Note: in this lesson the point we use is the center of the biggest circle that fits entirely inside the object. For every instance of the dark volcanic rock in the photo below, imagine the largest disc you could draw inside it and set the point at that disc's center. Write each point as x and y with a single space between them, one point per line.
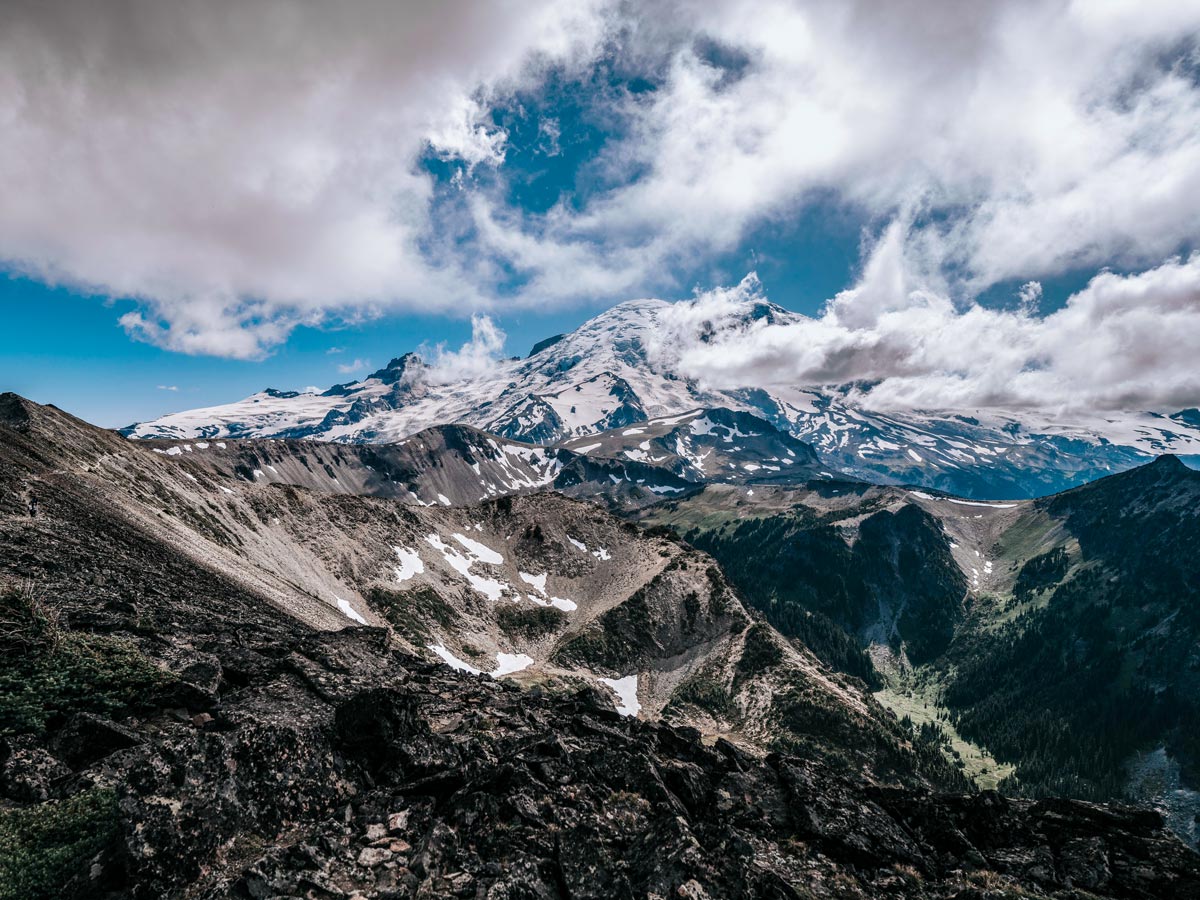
396 778
335 765
28 772
268 759
86 738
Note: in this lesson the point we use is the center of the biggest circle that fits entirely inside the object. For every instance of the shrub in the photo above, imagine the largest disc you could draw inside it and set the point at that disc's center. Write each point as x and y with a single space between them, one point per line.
54 672
412 612
704 693
43 847
759 653
529 622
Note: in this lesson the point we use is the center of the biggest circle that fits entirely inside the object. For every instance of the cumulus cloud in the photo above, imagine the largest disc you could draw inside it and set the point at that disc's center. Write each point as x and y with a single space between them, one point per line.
1123 341
1029 297
472 360
243 168
1024 139
350 368
168 387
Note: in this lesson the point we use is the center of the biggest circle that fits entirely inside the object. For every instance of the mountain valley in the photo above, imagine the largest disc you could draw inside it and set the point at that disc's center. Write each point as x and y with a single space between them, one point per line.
698 594
1035 629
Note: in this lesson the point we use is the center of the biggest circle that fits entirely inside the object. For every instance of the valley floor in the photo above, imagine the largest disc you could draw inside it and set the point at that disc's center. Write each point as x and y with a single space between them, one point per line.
913 699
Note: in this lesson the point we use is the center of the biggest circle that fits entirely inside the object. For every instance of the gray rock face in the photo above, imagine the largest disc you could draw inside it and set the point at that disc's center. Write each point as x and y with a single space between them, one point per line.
29 773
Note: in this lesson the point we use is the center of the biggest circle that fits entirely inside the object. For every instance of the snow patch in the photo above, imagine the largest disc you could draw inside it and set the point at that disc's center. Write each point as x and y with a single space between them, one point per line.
453 661
626 691
410 564
484 553
489 587
507 663
538 581
349 611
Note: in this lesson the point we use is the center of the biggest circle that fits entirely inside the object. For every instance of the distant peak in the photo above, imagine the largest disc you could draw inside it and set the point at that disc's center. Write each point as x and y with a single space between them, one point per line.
1189 416
1169 462
545 344
398 367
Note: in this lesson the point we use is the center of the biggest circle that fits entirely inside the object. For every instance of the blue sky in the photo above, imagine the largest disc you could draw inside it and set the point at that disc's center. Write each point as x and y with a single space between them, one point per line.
66 347
272 182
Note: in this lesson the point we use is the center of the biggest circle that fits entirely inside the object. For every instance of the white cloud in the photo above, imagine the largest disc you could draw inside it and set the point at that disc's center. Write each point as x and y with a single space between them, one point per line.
1123 341
243 168
1029 297
350 368
168 387
1029 138
473 359
464 134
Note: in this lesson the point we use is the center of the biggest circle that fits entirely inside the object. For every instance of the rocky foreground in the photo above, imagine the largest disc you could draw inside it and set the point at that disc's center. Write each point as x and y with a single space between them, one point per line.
327 765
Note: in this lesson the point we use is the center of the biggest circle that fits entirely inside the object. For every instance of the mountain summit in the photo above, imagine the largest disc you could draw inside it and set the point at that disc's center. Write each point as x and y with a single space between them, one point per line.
613 372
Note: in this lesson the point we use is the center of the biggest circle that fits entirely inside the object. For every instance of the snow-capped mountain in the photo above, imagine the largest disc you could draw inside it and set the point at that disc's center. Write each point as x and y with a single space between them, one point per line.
707 445
602 377
596 378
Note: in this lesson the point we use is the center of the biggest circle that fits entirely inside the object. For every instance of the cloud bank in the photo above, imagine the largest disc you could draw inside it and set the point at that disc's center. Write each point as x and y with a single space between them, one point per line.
474 358
1122 342
1028 138
242 169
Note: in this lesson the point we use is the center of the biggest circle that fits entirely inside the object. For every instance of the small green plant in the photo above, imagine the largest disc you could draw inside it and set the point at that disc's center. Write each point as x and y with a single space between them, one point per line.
705 693
54 672
759 653
529 622
412 612
43 847
27 624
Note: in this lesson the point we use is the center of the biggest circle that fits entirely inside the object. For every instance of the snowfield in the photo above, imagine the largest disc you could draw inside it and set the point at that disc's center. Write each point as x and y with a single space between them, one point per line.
626 691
